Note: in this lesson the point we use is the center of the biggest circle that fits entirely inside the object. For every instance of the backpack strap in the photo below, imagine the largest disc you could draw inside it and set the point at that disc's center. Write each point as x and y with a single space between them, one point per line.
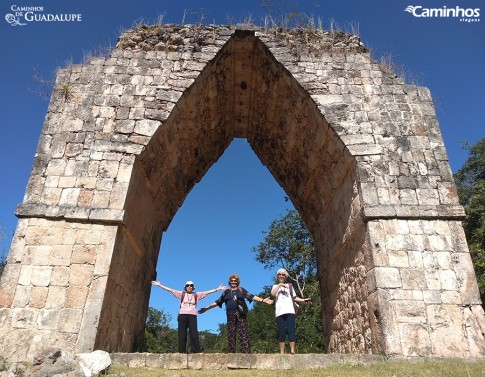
183 295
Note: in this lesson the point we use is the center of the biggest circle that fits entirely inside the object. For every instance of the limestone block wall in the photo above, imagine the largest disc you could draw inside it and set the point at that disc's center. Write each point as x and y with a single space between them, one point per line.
423 288
358 151
51 285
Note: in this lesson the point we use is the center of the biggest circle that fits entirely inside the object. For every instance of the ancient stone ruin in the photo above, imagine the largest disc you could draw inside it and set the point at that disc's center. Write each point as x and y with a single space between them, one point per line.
358 151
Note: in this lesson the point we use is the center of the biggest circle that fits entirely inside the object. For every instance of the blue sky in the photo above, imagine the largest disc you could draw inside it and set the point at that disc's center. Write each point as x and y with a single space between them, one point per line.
223 217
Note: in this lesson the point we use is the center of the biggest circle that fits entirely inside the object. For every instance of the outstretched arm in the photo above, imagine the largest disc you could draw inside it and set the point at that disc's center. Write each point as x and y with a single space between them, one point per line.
203 310
303 300
219 288
158 284
266 300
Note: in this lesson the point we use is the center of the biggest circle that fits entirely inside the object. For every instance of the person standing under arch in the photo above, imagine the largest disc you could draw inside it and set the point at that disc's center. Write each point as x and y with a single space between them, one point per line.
187 315
285 298
237 323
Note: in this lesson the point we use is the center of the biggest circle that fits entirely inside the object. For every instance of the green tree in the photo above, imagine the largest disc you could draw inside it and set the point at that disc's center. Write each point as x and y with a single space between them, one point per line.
262 326
470 181
159 337
289 244
215 343
209 342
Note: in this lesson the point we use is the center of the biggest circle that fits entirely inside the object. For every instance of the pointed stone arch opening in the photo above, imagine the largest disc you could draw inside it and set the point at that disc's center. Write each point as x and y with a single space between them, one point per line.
357 150
234 97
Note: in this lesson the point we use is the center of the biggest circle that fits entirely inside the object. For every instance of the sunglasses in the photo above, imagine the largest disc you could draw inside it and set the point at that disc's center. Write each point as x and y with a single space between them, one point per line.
232 281
189 285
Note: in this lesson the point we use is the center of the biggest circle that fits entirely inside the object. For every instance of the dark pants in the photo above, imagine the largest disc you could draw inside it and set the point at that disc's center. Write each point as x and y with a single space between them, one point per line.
237 324
286 324
188 322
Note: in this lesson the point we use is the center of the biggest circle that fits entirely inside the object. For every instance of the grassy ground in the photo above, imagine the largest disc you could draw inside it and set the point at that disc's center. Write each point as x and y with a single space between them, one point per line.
445 368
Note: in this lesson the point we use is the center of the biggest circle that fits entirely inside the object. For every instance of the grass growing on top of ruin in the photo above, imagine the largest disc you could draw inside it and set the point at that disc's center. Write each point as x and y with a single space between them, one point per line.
431 368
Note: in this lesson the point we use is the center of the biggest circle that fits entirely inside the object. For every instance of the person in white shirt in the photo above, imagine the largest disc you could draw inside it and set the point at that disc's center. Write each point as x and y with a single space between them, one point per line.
285 298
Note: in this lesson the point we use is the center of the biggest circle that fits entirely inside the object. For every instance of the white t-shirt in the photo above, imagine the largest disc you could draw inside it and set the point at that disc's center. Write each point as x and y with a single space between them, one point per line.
284 302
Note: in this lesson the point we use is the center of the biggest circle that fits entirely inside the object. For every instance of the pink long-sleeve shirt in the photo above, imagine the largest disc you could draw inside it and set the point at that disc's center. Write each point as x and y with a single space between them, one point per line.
189 305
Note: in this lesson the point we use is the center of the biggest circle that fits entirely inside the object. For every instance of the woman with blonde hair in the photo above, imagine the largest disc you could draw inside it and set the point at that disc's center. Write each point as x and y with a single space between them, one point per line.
237 323
285 298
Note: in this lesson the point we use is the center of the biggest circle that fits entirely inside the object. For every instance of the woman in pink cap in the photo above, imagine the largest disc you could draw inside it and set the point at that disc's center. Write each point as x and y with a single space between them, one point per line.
187 316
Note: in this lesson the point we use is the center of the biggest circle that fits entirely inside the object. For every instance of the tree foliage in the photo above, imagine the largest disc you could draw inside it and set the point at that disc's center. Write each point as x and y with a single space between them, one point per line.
470 181
159 337
289 244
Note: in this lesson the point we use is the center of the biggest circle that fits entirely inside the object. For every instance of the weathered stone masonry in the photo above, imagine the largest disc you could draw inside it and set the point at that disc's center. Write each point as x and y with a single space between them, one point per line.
357 150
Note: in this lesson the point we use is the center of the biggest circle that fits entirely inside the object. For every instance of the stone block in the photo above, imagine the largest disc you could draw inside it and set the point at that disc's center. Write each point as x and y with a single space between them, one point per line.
112 215
60 255
69 196
25 275
445 322
66 182
48 319
70 320
451 297
80 274
398 258
56 167
41 276
433 280
24 318
101 199
176 361
411 311
56 297
118 195
415 259
60 276
51 195
92 312
413 278
387 277
432 297
76 297
22 296
155 360
133 360
241 361
448 280
83 254
38 297
416 340
216 361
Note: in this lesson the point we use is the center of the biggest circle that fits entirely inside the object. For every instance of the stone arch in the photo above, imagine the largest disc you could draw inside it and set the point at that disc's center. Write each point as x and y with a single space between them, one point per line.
358 152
